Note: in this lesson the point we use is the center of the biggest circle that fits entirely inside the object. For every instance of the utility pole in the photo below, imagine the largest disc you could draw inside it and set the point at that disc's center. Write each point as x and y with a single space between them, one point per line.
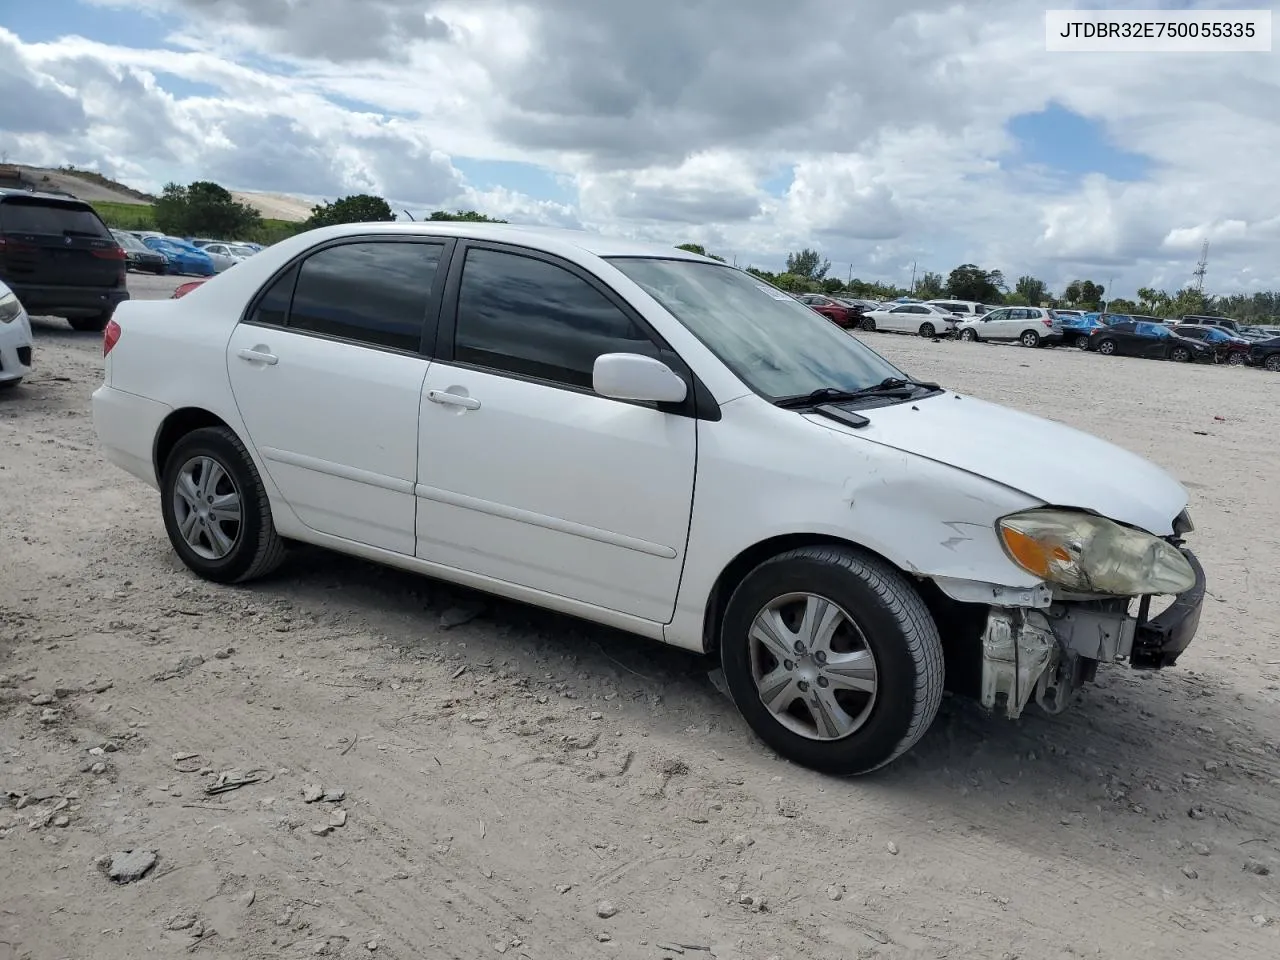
913 278
1202 267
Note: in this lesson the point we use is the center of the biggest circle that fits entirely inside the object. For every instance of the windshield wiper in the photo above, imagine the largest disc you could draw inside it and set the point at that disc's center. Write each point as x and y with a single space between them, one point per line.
821 395
895 385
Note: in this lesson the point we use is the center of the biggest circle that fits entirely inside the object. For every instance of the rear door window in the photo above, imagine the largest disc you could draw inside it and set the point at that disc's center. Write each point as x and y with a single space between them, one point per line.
372 292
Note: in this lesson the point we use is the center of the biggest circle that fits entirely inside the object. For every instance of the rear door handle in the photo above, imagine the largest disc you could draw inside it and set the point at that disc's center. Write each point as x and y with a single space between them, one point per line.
453 400
259 356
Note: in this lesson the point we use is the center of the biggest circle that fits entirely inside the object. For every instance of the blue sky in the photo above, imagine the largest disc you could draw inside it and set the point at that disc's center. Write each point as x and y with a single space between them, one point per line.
978 146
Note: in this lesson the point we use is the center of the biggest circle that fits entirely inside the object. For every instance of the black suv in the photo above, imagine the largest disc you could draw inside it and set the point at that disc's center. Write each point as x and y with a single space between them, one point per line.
60 259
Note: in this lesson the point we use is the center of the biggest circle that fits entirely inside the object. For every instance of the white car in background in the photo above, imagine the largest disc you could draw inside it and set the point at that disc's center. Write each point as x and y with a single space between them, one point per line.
926 319
731 473
964 309
15 339
224 255
1030 326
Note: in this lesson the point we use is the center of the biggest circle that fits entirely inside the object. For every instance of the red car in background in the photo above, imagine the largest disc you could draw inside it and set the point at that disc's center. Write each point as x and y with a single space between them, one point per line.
184 288
839 312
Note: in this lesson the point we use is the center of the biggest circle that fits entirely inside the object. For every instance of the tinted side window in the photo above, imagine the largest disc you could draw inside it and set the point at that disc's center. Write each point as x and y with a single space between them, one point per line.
530 317
370 292
34 216
273 307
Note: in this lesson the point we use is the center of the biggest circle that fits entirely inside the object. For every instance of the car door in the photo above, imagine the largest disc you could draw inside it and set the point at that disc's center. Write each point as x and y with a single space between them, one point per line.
904 318
996 325
1124 335
327 372
525 474
1152 341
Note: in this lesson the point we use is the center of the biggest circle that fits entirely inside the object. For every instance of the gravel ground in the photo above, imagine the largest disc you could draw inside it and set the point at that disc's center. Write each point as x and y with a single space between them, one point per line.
505 781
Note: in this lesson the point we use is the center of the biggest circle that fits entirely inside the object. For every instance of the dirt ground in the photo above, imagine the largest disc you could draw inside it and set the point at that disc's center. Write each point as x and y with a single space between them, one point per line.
503 771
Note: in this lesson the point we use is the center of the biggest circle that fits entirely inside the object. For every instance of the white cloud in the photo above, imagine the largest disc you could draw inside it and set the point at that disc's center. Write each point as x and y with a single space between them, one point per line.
670 118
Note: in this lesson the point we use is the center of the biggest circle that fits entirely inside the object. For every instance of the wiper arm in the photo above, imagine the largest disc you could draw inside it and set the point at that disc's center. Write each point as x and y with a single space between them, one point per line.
821 395
895 385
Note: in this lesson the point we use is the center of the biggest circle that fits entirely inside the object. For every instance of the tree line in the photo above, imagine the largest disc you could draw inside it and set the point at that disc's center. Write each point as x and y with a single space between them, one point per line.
207 209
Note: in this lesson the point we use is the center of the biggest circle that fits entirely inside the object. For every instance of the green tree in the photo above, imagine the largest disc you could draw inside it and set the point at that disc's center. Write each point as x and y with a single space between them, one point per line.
699 249
794 283
930 286
467 216
1072 292
832 286
970 282
357 208
1017 299
203 208
1033 290
1121 305
808 264
1091 294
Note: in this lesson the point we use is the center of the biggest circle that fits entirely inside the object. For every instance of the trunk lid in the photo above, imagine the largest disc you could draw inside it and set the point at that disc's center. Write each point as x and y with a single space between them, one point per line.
47 241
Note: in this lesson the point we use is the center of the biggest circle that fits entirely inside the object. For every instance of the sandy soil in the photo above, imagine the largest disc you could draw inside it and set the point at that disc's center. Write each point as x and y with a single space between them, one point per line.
505 770
276 206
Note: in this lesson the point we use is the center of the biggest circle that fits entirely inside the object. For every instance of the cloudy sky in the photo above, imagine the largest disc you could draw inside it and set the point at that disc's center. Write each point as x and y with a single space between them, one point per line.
883 132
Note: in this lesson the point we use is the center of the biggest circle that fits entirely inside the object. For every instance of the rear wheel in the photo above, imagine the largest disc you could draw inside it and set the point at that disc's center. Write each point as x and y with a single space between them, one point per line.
1030 338
927 329
1107 347
832 658
1272 363
216 510
95 324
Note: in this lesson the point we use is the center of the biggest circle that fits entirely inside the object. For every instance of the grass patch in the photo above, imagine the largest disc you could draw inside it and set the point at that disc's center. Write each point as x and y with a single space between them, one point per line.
141 216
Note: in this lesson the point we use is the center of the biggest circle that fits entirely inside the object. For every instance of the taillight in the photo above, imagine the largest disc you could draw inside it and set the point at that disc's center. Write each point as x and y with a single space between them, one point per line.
1047 322
110 253
110 336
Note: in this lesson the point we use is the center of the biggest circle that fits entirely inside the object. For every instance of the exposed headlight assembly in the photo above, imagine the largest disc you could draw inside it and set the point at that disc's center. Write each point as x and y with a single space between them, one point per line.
10 308
1090 554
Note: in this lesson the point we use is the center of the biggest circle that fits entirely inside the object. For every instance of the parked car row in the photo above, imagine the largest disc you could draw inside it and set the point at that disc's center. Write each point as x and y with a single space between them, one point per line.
1191 339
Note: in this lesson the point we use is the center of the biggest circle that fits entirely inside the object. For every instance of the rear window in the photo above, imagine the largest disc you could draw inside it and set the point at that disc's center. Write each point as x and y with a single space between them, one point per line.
35 216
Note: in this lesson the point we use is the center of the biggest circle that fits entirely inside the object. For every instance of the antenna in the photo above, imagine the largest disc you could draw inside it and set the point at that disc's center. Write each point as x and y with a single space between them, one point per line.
1202 267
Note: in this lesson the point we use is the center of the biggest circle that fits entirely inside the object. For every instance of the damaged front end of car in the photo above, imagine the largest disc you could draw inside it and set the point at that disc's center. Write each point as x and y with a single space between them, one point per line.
1093 607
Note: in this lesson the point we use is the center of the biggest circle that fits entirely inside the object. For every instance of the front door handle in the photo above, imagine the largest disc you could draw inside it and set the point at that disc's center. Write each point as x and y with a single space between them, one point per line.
259 356
453 400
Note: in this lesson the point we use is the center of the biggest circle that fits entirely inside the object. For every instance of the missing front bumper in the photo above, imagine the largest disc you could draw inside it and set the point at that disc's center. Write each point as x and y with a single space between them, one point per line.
1048 653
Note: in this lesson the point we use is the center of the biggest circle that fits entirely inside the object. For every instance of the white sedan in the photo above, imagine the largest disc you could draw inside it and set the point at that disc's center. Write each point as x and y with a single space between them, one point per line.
224 255
655 441
925 319
15 339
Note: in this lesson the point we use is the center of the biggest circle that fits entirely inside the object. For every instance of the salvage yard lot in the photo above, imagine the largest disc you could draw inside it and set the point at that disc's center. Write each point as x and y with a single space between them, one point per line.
505 770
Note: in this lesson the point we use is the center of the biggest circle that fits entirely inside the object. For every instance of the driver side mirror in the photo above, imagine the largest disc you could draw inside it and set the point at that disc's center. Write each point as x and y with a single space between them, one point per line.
632 376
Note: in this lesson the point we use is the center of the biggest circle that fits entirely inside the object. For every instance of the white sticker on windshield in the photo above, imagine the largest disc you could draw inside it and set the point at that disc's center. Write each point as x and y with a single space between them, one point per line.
776 294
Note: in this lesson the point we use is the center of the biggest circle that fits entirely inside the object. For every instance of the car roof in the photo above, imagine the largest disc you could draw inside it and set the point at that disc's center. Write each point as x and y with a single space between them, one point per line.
7 192
593 243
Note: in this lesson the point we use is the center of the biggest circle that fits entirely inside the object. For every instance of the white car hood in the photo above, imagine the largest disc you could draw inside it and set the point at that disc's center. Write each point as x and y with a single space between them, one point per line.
1057 464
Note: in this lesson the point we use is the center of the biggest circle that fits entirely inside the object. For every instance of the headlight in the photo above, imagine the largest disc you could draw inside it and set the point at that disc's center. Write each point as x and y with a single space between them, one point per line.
10 308
1090 554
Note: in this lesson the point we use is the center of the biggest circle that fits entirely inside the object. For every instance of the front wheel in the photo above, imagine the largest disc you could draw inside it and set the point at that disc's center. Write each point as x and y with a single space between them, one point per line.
1082 342
927 329
95 324
216 510
1235 360
868 324
1180 355
1030 338
1272 363
832 658
968 336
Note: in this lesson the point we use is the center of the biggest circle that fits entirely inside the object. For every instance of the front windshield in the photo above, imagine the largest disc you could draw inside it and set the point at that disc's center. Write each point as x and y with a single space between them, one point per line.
777 346
128 241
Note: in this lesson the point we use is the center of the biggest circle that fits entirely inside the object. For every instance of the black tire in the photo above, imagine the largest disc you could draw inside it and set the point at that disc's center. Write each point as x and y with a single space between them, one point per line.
868 324
1180 355
927 329
1082 342
895 626
1235 359
1107 347
968 336
95 324
1272 363
1030 339
256 549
